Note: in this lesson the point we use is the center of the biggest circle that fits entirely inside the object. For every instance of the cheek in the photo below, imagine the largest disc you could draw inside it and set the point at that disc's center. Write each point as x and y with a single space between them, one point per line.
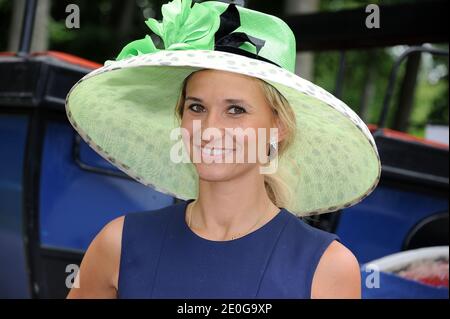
186 131
188 124
251 143
191 123
261 130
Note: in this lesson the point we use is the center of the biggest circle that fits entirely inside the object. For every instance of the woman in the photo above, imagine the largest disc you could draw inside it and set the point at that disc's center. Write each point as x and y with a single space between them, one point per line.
240 237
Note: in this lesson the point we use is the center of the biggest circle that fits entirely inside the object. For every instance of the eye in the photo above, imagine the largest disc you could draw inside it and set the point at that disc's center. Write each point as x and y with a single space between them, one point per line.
197 108
236 109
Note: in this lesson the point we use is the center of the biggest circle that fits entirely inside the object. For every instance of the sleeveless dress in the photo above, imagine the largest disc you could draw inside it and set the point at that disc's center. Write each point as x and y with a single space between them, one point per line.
161 257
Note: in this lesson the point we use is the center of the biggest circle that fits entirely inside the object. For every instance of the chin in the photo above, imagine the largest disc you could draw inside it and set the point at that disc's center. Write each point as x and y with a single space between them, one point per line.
218 172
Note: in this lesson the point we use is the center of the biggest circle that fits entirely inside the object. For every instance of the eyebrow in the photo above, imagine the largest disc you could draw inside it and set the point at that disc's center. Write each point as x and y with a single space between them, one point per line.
196 99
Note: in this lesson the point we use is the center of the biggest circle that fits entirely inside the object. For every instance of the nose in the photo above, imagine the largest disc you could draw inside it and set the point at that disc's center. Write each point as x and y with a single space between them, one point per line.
214 122
213 119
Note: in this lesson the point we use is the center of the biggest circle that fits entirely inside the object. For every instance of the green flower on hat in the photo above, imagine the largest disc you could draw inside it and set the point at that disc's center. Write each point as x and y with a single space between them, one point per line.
182 28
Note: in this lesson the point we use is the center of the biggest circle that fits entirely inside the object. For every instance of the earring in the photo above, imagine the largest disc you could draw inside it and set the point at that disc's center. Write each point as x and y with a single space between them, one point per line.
273 147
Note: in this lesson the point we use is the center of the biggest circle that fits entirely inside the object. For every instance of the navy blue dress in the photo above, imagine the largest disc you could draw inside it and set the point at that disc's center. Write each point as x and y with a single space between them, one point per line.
162 257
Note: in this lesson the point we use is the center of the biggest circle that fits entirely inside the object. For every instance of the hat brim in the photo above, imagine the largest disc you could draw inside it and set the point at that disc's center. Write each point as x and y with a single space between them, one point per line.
125 112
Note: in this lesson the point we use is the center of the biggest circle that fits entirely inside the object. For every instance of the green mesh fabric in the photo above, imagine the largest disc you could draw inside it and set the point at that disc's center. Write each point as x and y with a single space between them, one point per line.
125 111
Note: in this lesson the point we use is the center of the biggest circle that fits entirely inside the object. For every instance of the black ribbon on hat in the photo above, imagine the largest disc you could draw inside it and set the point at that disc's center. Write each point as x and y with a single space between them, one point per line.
227 40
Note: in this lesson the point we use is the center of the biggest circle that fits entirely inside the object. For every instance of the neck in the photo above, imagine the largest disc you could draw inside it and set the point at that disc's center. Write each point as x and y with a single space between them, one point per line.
229 207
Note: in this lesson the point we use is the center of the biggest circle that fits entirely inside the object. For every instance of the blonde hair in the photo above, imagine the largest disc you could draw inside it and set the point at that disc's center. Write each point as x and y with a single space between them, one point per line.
276 188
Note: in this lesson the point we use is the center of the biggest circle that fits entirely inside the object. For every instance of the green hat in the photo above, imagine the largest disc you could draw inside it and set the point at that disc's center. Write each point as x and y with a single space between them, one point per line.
125 109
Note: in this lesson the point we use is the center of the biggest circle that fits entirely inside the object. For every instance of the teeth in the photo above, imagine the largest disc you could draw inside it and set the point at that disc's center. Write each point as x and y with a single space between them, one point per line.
214 151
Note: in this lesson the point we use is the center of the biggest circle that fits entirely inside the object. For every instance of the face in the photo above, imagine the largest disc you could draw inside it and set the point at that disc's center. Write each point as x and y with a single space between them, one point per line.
220 112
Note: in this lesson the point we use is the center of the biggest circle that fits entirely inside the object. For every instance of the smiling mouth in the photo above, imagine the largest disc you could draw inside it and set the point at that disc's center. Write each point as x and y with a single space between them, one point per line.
212 151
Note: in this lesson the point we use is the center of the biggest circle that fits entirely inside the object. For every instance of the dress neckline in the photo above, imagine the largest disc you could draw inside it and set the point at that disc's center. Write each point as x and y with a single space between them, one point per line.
274 220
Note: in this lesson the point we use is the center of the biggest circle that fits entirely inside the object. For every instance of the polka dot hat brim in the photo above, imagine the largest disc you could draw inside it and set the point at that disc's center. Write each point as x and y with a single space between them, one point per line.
125 112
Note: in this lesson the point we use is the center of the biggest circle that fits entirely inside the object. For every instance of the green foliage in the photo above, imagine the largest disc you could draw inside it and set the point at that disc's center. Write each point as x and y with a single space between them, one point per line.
430 99
358 63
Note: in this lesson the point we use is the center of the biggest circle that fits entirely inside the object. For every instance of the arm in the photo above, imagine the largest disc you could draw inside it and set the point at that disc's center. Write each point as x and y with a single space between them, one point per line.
99 270
337 274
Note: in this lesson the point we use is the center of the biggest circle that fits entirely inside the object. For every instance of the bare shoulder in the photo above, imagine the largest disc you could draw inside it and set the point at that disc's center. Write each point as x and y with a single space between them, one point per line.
337 274
99 270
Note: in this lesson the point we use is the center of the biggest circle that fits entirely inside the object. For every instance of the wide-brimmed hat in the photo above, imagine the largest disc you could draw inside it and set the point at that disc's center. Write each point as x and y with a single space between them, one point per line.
125 109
